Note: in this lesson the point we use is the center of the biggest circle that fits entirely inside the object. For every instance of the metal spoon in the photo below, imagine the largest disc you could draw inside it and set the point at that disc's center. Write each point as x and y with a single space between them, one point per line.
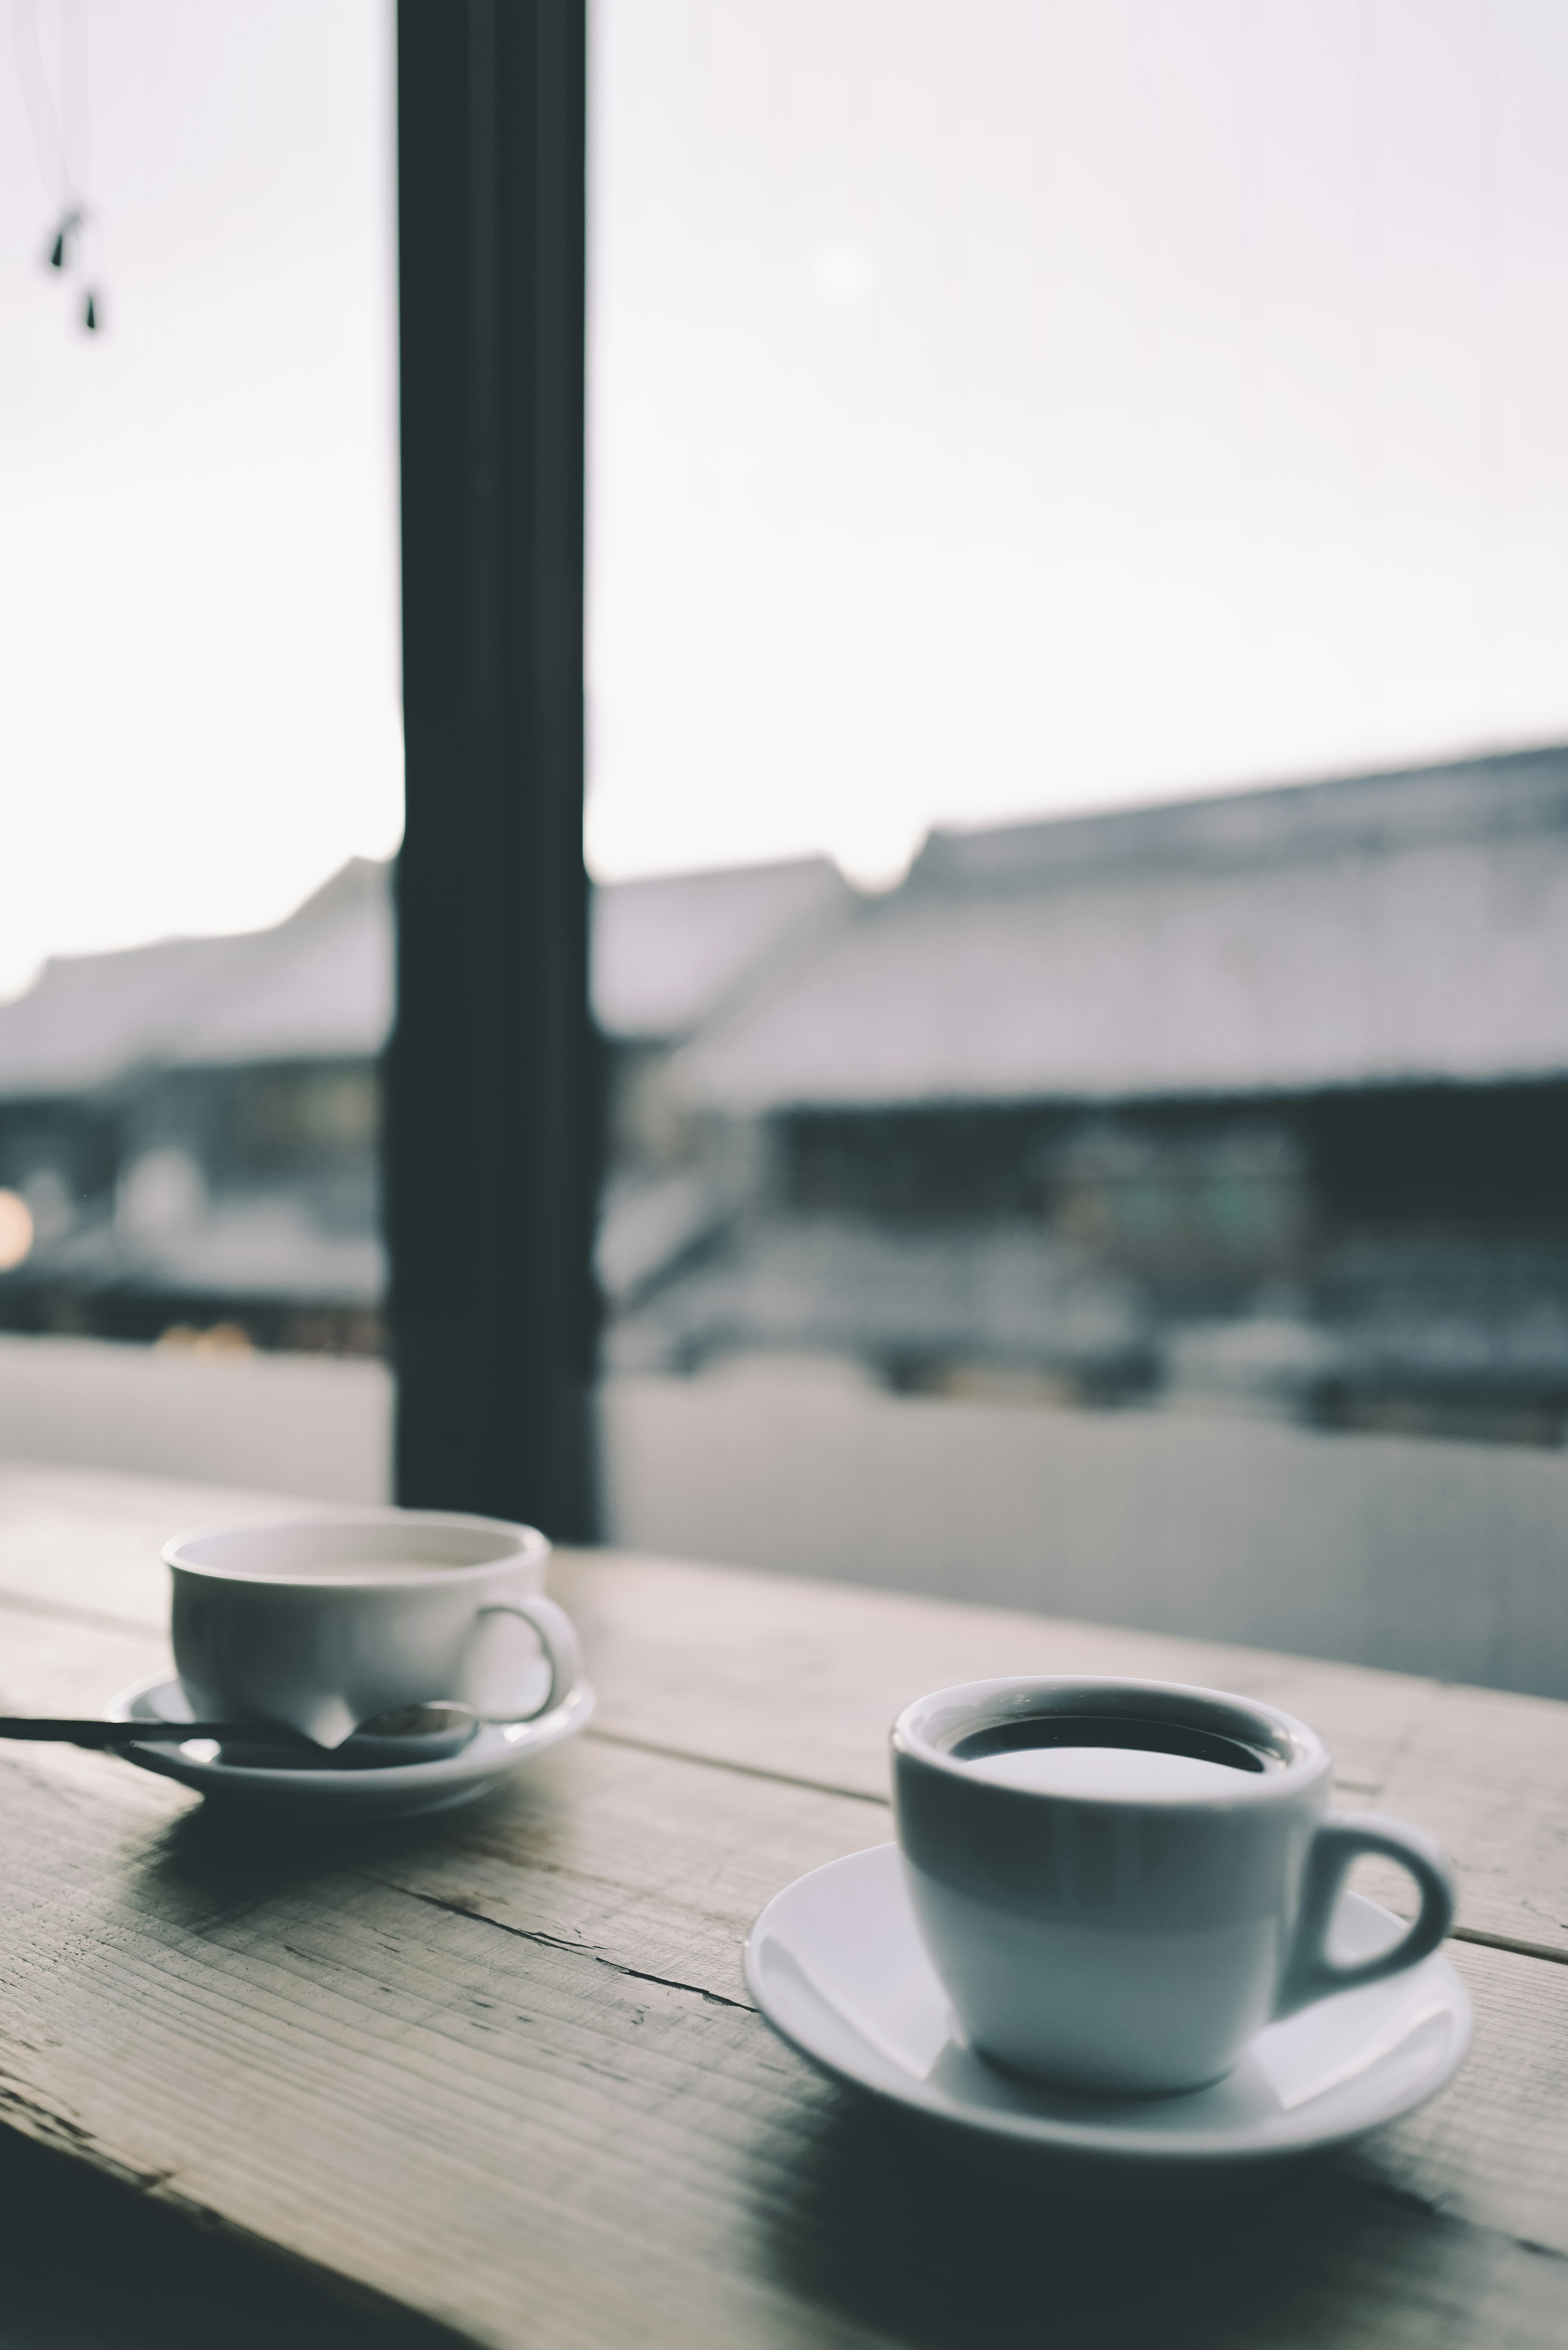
413 1733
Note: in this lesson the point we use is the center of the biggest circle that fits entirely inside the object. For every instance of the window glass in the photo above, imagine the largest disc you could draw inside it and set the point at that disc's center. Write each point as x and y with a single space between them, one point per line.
1077 504
199 729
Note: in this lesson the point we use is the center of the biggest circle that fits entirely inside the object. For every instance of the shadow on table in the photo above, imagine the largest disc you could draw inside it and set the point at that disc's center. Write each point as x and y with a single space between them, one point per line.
223 1860
937 2240
92 2264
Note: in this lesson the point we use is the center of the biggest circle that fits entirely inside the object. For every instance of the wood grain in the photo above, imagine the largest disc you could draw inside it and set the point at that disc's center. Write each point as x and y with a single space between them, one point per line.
503 2070
506 2072
802 1680
90 2266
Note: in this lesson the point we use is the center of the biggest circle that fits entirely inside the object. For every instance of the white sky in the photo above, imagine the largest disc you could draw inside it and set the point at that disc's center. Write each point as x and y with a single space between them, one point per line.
198 600
997 405
1006 405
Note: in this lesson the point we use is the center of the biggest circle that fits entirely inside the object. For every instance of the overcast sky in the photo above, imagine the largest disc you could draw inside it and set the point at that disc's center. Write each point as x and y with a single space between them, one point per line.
198 614
999 405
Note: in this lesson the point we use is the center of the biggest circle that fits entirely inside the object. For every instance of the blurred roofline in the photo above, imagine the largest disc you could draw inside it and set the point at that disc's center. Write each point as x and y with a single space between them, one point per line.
1362 811
670 951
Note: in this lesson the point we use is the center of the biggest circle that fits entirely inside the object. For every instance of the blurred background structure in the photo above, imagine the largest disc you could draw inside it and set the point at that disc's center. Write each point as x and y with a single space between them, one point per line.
189 1133
1054 1152
1257 1104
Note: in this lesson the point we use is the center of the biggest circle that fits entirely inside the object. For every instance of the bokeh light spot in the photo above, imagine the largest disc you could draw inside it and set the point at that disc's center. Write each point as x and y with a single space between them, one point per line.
15 1230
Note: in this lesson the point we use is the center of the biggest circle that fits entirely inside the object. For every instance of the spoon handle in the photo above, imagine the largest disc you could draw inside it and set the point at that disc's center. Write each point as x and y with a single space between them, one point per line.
63 1731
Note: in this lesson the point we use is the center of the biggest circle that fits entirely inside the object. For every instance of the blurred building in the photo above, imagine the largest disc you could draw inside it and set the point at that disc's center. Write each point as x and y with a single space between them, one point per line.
188 1131
1259 1101
673 957
192 1127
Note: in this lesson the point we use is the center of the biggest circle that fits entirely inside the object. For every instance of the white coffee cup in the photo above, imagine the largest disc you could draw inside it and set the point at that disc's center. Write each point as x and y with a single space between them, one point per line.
1123 1916
321 1624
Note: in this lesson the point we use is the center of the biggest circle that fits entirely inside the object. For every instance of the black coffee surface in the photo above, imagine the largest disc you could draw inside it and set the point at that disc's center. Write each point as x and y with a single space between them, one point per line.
1132 1733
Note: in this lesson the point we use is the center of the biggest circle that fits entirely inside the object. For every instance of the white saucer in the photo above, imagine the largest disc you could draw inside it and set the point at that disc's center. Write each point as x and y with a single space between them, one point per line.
400 1791
837 1966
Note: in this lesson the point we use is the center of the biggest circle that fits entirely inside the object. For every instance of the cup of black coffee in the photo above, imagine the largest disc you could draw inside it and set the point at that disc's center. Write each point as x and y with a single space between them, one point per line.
1120 1882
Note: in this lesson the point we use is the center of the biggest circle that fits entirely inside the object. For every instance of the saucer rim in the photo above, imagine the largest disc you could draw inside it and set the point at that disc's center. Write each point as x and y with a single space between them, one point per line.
1112 2141
164 1755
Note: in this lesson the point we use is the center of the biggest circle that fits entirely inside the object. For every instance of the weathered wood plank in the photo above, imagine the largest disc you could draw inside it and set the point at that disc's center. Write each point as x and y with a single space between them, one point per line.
92 2265
802 1680
1493 2149
501 2068
503 2071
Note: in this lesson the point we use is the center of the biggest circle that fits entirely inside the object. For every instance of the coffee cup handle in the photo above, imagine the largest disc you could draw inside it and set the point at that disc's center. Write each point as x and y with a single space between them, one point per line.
1341 1839
558 1639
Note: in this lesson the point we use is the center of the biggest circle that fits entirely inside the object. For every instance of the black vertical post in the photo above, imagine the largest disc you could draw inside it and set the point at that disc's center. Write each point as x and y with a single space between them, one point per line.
492 1091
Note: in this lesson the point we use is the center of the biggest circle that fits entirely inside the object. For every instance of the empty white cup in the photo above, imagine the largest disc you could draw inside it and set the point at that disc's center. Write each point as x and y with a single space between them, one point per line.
321 1624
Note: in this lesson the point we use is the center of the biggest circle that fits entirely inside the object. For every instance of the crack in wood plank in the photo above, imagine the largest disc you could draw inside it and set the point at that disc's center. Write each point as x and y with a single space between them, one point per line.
814 1786
457 1908
473 2127
1520 1948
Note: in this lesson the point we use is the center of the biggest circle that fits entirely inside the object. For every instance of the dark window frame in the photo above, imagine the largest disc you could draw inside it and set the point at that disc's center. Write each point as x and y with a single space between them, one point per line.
491 1146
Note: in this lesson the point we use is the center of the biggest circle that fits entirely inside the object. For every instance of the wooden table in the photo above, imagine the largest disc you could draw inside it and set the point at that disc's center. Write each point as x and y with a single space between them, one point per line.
499 2073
